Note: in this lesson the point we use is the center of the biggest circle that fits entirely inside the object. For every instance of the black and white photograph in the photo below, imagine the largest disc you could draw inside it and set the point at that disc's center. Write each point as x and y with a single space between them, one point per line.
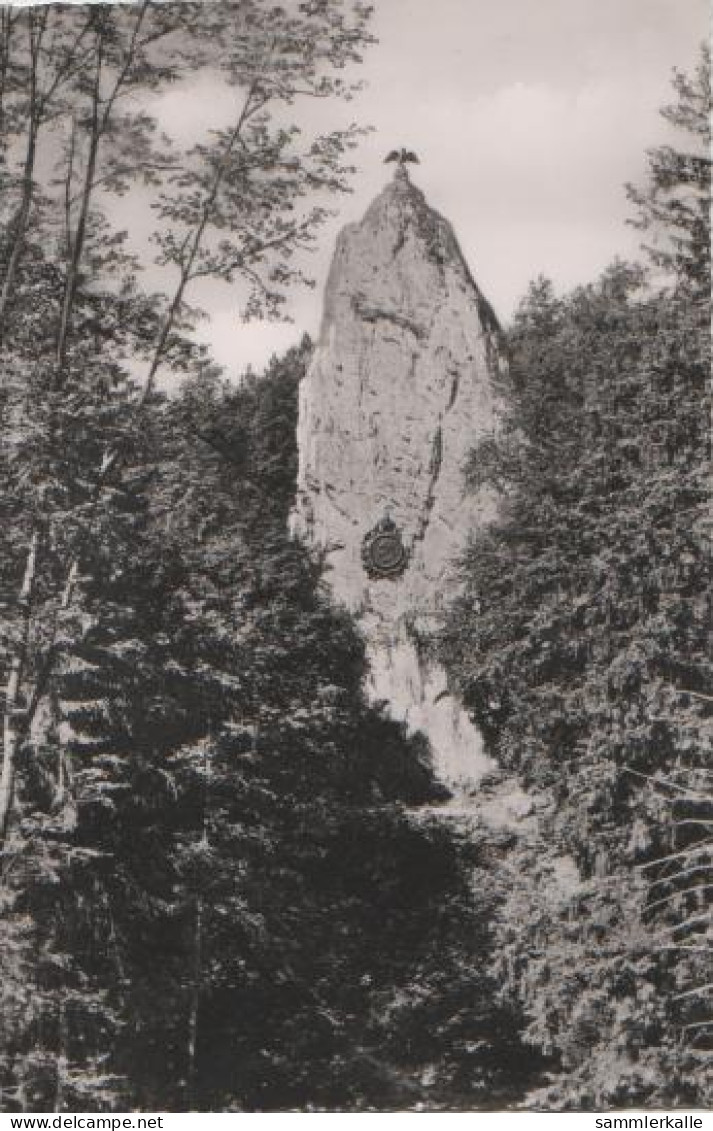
356 650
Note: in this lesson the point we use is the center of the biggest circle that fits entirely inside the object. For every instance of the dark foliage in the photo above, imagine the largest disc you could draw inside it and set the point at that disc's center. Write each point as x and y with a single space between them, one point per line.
237 902
581 645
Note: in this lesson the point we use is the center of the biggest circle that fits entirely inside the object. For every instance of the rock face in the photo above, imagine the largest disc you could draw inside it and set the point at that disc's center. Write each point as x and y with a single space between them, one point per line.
400 388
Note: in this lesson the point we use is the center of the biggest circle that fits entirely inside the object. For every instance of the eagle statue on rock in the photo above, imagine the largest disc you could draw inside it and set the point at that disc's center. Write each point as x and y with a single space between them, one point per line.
403 156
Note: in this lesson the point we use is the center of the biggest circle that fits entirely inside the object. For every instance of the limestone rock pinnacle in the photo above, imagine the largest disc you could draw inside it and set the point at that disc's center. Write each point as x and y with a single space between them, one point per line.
400 387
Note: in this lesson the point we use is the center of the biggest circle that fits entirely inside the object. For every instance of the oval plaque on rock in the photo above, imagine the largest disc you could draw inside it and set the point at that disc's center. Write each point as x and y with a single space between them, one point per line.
383 552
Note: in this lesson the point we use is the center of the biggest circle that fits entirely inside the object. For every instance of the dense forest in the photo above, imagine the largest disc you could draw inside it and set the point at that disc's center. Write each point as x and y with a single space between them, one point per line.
582 646
225 881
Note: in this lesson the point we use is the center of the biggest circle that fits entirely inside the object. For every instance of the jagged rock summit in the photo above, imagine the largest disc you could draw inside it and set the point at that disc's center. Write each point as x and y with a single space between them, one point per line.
400 388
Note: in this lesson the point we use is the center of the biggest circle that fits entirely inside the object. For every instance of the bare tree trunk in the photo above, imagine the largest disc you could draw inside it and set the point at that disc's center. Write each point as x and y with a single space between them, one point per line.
40 108
196 987
62 1059
11 728
192 245
75 244
36 29
8 19
100 120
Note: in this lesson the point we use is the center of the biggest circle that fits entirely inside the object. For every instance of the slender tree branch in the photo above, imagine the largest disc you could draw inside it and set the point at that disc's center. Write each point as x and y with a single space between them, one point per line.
701 849
678 894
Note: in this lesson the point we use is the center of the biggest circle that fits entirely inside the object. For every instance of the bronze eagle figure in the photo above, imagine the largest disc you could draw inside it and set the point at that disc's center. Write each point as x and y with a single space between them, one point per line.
402 156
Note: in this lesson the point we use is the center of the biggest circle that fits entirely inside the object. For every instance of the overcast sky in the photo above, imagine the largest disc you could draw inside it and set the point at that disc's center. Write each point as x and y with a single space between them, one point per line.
528 117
